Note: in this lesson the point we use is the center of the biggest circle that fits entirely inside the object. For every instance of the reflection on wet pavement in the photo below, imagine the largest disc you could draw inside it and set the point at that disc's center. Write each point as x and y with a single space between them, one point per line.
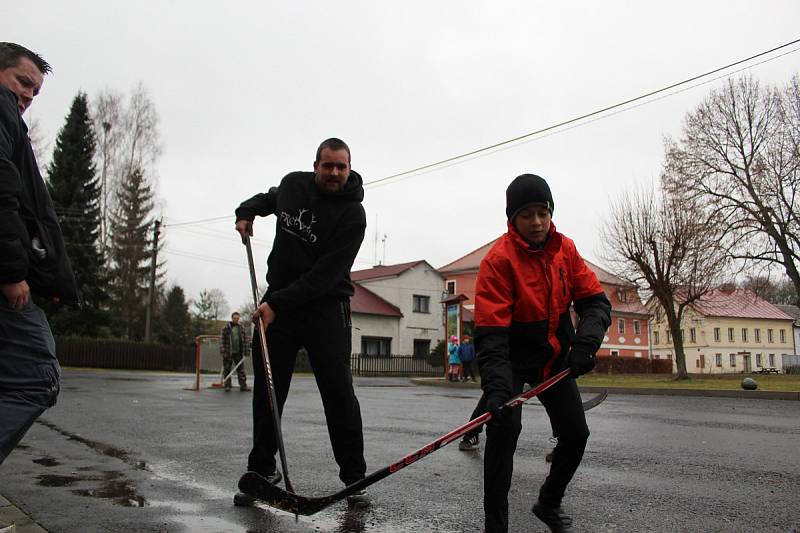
113 486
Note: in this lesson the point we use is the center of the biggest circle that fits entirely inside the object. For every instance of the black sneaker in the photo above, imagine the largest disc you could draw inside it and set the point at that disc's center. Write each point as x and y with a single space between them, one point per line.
241 499
359 499
554 517
469 443
273 478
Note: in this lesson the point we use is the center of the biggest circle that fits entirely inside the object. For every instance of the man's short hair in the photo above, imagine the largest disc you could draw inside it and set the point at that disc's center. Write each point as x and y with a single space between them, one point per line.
236 313
11 53
333 144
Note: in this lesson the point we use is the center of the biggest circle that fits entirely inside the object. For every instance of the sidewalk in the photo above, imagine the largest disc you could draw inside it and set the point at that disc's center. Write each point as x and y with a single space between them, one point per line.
725 393
11 514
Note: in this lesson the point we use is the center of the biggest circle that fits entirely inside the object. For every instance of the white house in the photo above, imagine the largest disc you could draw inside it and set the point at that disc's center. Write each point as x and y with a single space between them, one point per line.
396 309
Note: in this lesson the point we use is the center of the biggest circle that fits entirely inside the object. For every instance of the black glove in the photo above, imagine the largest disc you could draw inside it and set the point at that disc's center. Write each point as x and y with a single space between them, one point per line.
495 404
580 361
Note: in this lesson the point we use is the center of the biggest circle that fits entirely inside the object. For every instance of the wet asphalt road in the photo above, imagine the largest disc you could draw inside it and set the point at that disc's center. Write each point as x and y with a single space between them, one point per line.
134 452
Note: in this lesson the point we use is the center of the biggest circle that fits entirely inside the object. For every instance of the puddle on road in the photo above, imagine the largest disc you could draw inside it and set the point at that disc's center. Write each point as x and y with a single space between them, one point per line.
55 480
46 461
119 491
99 447
113 486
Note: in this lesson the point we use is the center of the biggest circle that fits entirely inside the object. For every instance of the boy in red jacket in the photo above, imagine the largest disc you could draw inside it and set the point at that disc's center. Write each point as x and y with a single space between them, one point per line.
524 334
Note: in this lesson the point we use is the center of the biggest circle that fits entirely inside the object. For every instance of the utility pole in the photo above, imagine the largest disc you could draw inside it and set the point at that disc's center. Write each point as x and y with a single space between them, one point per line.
151 292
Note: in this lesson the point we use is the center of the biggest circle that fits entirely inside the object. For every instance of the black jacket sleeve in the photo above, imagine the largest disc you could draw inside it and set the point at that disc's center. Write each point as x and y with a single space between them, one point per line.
262 205
13 234
329 269
594 317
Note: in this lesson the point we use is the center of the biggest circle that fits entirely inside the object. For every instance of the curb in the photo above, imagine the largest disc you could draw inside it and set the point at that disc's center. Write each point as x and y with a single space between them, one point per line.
717 393
14 520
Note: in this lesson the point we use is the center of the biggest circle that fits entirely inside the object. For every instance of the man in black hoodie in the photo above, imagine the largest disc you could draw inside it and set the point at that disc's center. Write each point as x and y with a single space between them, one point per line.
320 225
32 257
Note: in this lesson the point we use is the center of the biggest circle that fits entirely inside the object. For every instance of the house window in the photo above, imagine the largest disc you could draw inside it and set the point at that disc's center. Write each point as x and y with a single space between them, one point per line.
422 348
718 360
451 287
655 337
733 360
759 363
657 356
637 327
770 337
697 363
669 337
614 353
621 326
622 295
730 334
376 346
669 356
757 335
744 334
772 360
716 334
692 335
782 334
421 303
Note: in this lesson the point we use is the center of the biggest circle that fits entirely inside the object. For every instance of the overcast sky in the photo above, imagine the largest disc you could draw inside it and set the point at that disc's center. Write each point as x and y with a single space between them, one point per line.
247 90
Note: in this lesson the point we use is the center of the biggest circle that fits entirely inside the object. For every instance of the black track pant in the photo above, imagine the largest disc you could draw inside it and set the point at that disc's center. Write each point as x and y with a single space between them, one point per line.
323 328
563 404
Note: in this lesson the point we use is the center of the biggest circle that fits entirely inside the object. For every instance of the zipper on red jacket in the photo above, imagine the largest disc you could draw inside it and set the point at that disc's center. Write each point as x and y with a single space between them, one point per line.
563 283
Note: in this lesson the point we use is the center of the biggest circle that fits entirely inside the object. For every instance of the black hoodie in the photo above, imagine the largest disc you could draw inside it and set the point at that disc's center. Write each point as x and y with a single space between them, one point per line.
317 237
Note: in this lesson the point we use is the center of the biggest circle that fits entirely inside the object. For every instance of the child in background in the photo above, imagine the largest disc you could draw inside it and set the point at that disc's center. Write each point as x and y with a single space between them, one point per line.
452 360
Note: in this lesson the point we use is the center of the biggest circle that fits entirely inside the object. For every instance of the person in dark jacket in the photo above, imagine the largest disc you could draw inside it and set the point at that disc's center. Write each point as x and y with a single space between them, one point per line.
524 334
320 224
33 259
233 347
466 354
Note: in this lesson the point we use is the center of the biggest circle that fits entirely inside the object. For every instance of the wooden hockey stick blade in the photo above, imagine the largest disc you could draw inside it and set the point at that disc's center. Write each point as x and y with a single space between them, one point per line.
255 485
597 400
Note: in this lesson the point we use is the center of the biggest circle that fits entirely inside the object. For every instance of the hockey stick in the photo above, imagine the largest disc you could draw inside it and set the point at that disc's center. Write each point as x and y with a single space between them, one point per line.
258 487
273 404
597 400
226 378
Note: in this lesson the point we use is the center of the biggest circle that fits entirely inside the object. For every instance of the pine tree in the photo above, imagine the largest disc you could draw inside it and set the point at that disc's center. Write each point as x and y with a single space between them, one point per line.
130 253
74 188
173 323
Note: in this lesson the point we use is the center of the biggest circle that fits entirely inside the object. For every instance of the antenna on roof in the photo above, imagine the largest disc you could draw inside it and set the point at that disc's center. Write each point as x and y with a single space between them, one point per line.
384 247
375 247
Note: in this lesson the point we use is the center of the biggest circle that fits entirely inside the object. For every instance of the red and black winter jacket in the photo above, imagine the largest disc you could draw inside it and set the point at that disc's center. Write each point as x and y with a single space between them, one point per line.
522 308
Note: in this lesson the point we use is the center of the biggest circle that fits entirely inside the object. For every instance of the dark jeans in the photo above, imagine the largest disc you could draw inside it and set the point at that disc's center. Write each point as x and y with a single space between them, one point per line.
563 404
29 371
323 328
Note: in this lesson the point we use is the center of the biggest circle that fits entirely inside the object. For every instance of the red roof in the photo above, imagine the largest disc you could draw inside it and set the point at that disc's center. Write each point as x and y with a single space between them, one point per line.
738 303
383 271
471 261
366 302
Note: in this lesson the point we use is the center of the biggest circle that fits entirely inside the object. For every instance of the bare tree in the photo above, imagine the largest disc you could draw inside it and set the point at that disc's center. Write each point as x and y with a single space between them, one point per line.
655 241
211 305
128 140
738 157
41 147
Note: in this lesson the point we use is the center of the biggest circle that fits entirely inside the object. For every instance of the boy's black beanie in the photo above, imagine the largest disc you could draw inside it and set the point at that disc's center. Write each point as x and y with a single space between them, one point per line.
527 190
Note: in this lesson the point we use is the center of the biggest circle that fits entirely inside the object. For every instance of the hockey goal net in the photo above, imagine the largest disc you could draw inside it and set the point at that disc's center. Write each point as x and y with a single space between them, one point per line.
208 370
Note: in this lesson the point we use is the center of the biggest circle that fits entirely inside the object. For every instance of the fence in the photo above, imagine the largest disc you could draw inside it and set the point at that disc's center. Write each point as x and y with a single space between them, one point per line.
632 365
790 363
396 365
126 355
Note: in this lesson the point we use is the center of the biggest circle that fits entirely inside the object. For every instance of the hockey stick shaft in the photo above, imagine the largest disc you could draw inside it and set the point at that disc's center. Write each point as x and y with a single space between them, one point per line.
226 378
277 497
271 398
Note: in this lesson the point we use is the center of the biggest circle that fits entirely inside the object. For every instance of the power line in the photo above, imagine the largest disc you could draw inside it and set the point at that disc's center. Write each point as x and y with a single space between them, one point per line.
576 119
467 156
